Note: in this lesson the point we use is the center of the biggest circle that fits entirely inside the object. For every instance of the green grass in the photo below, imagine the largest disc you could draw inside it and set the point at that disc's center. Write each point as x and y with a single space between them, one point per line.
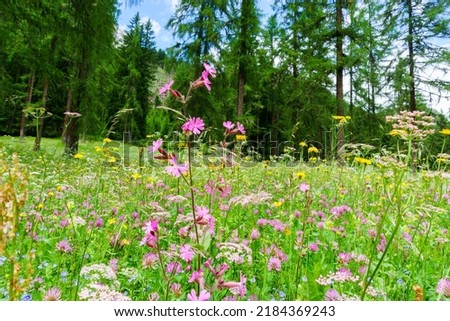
267 228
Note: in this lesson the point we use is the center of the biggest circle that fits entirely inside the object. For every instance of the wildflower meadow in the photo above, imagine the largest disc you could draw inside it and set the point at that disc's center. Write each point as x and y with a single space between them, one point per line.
187 219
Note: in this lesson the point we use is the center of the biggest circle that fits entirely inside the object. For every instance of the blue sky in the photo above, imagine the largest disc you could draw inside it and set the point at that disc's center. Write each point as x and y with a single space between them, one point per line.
159 12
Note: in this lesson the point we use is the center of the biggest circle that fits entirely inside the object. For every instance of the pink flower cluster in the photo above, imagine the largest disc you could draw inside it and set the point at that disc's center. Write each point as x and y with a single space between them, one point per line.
231 130
209 71
151 238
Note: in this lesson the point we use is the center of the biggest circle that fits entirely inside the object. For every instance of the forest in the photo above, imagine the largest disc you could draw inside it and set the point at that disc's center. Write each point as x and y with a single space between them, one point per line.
300 156
284 76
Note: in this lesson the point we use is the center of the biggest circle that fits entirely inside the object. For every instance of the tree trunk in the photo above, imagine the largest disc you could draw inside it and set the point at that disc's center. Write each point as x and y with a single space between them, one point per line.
243 52
66 117
339 74
37 141
30 87
412 85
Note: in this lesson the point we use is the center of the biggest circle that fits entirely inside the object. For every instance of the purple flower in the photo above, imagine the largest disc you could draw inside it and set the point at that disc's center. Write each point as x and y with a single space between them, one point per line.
313 247
176 169
166 87
197 277
443 287
304 187
274 264
53 294
228 125
173 268
176 289
151 226
210 70
194 125
99 222
64 246
155 145
26 297
150 239
186 253
205 80
240 128
149 259
332 295
203 296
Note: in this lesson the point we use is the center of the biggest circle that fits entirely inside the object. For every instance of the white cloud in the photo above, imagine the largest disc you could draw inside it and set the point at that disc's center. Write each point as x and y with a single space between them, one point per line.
120 32
156 26
173 4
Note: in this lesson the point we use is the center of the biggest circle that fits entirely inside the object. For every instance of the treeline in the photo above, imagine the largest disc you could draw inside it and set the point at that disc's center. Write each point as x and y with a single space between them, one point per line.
283 76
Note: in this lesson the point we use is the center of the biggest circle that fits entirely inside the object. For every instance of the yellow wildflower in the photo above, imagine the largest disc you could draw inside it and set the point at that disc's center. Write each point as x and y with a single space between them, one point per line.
182 145
125 242
445 131
363 161
136 175
300 175
277 204
313 149
397 133
341 119
287 231
51 194
70 205
112 159
241 137
98 149
107 140
303 144
112 221
78 156
313 160
40 206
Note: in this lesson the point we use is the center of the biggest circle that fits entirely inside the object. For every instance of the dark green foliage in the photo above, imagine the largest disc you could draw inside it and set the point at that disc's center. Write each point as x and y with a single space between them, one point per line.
277 75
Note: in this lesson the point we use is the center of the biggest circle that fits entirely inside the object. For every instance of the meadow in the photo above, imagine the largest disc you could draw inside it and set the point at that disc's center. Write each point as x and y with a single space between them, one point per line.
90 227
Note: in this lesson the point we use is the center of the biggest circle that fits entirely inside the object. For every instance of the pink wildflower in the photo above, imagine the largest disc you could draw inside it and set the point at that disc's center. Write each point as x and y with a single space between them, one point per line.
148 260
166 87
313 247
53 294
156 145
194 125
228 125
240 128
186 252
64 246
173 268
210 70
203 296
176 289
274 264
176 169
304 187
205 80
443 287
332 295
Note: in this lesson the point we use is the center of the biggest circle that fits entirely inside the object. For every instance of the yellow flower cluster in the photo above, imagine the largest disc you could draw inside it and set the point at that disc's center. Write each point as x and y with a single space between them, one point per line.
241 137
363 161
445 131
342 119
313 149
300 175
397 133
